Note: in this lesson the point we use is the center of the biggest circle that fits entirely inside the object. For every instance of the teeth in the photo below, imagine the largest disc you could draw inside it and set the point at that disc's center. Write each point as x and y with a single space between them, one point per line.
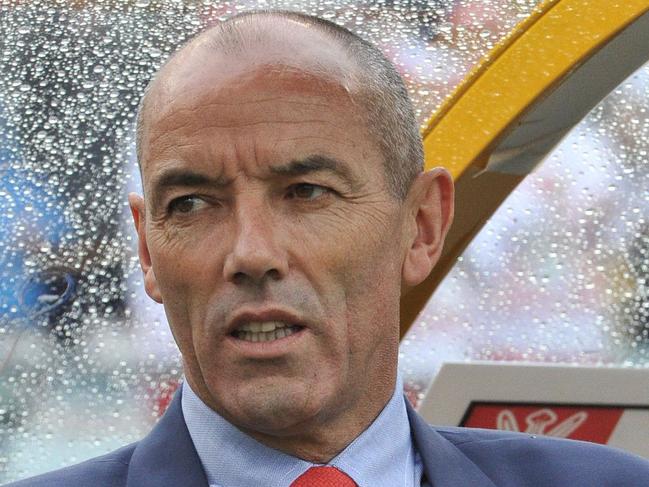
265 326
261 336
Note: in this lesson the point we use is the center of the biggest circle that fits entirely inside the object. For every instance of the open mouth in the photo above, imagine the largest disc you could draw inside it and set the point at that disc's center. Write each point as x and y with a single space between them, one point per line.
265 331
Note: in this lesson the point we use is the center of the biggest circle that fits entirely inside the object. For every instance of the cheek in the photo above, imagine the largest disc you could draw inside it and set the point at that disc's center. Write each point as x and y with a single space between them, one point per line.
182 257
370 271
362 284
184 269
362 254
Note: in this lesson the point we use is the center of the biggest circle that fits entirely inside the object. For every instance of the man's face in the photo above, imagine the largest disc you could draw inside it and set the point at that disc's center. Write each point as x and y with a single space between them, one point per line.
274 245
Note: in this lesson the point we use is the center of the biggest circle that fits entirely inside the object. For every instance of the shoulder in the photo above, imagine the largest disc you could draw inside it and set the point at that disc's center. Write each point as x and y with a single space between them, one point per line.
549 461
105 471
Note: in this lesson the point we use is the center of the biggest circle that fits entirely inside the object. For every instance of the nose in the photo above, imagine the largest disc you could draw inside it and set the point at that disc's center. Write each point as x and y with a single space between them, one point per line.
256 255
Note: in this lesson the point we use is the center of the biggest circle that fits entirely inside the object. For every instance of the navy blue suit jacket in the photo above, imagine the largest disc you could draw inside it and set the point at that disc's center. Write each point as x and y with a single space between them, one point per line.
452 457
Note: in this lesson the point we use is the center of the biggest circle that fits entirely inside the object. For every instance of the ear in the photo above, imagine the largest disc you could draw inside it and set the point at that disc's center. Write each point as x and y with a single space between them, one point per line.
138 210
431 204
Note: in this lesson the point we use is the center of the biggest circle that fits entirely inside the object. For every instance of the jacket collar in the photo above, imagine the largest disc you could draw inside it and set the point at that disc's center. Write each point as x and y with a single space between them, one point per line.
444 464
166 457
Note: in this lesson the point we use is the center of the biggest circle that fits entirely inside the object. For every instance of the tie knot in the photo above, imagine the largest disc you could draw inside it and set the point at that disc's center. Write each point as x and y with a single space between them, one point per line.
324 477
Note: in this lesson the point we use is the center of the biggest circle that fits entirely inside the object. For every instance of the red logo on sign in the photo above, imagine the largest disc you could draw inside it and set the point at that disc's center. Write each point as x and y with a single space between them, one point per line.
595 424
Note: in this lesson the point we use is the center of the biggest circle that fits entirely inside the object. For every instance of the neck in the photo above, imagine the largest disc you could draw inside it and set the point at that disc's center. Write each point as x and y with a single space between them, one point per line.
325 438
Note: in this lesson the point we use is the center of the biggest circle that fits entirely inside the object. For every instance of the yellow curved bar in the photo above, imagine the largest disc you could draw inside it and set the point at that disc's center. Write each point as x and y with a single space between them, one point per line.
530 61
536 57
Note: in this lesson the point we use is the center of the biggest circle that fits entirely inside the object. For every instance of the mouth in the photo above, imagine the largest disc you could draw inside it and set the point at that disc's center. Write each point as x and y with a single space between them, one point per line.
265 331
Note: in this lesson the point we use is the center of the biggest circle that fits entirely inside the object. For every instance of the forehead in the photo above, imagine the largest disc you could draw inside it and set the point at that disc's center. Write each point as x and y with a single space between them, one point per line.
263 87
288 47
206 92
298 64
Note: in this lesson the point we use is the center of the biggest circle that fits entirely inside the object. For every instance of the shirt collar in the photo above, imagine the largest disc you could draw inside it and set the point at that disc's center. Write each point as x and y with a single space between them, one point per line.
383 455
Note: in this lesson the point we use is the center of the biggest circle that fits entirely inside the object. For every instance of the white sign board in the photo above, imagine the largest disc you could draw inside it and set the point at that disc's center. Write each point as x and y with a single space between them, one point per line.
603 405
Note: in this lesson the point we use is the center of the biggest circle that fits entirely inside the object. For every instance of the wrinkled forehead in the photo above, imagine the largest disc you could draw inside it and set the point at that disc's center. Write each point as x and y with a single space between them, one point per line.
303 63
206 82
293 49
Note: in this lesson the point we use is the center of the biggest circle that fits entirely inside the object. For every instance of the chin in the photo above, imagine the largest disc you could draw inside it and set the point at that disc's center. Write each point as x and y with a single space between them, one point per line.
273 408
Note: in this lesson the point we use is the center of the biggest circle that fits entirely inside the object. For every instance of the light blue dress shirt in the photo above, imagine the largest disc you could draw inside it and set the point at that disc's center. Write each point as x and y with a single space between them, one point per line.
382 456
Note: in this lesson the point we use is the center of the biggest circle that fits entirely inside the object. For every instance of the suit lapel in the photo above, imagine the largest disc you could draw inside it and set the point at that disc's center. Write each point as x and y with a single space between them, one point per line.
166 457
445 465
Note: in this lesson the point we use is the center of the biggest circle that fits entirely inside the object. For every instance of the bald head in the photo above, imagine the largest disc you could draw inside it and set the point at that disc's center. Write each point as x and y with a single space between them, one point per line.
323 51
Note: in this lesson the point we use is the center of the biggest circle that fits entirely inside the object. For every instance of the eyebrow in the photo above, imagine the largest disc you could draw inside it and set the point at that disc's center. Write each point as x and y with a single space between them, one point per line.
178 177
187 177
311 164
172 178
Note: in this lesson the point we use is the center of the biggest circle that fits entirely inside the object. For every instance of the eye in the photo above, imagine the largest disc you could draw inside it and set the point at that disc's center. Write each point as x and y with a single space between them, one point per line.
306 191
184 204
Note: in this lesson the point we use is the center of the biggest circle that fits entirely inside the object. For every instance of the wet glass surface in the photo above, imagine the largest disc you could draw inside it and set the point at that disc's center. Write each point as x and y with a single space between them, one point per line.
560 273
86 359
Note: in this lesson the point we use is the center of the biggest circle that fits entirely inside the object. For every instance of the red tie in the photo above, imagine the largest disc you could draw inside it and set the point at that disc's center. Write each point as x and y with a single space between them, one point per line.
323 477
